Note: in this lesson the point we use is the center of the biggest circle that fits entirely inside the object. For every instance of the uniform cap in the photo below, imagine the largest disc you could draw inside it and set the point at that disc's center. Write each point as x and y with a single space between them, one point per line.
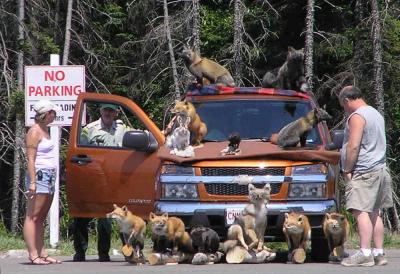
111 106
44 106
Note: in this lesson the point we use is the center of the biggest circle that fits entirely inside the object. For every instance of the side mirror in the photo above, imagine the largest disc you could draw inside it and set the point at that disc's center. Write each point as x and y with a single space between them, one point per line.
140 140
337 140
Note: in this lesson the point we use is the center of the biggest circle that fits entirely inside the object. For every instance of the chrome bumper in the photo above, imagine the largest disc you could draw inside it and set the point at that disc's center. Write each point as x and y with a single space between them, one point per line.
189 208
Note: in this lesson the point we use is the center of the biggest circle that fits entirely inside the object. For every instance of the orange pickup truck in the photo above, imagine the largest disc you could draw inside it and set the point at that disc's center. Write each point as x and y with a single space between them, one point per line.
143 175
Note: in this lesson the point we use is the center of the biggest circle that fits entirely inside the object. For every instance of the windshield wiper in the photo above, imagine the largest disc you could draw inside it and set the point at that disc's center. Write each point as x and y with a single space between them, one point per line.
262 139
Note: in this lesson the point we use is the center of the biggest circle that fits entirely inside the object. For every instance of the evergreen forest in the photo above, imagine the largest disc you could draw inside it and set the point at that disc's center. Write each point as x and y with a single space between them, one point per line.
131 48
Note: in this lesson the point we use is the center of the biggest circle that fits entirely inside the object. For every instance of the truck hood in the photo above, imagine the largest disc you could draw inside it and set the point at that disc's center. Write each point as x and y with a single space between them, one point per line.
251 149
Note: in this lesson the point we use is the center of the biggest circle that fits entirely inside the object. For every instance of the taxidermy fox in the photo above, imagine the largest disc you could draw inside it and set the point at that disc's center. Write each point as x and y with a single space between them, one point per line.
290 75
296 132
172 229
206 68
131 226
198 129
249 227
297 232
336 230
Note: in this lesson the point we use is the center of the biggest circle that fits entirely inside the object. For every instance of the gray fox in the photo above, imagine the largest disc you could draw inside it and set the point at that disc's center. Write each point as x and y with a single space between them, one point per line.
290 75
249 227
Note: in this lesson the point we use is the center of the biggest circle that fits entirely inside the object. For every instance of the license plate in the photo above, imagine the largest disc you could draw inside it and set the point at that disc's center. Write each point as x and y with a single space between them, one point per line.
230 215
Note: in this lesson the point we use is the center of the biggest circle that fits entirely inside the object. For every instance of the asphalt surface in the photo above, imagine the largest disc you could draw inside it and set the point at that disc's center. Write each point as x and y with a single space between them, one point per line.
11 265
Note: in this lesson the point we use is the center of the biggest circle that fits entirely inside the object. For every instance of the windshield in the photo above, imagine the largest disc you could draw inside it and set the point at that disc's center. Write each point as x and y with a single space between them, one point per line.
253 119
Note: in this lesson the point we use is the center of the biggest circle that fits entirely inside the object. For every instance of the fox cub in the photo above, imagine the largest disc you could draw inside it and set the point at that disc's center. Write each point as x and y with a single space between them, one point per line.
296 132
290 75
249 227
336 230
169 232
296 228
205 68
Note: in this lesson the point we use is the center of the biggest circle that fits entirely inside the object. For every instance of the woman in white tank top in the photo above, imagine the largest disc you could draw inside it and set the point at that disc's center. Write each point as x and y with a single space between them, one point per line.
39 181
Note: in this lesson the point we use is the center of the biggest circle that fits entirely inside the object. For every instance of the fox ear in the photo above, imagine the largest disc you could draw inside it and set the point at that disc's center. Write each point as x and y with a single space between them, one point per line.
151 216
286 215
327 216
251 187
165 215
291 49
115 206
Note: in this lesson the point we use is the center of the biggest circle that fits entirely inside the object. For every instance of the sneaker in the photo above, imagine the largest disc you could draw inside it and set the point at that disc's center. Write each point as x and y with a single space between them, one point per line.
78 257
380 260
358 259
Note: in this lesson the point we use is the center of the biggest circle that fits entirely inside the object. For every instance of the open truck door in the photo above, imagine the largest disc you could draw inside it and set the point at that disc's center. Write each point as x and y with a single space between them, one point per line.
99 174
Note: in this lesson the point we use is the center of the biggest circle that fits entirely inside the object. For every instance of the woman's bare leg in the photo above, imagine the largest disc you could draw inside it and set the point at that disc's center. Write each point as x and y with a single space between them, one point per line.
34 225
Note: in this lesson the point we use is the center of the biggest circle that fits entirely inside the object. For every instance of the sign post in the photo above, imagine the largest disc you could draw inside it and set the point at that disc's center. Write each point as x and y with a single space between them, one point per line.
54 213
61 85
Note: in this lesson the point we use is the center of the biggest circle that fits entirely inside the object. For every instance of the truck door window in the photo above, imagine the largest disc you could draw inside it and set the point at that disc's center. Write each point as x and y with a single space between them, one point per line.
104 124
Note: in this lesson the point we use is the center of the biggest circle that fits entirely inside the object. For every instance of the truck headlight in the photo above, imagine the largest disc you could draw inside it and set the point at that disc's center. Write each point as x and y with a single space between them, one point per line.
180 191
306 191
318 169
177 170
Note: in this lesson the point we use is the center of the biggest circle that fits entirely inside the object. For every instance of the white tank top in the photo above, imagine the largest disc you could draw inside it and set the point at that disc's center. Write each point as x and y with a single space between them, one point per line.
45 156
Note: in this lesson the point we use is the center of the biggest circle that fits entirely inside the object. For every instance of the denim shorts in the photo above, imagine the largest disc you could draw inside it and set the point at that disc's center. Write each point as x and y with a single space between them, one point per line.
45 180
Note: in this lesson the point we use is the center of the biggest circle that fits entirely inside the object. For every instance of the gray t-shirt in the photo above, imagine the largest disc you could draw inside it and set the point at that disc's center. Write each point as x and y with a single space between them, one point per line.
372 154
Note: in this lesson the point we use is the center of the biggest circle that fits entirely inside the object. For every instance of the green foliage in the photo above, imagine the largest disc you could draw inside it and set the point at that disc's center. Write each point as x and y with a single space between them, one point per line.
17 104
216 30
47 44
7 241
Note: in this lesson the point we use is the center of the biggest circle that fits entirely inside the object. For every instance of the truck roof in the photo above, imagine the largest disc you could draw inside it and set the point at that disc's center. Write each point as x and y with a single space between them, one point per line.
194 90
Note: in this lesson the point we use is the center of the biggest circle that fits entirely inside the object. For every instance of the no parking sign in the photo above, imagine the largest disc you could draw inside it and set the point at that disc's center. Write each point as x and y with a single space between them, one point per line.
59 84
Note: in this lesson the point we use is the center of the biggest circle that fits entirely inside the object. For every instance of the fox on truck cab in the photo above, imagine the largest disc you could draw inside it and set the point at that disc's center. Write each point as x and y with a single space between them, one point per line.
143 175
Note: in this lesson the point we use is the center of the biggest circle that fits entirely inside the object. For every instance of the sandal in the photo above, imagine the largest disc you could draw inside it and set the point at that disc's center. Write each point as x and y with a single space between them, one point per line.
35 261
50 260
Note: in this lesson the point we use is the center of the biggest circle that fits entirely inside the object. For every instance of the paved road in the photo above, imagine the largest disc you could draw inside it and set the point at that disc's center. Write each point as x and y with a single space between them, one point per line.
118 265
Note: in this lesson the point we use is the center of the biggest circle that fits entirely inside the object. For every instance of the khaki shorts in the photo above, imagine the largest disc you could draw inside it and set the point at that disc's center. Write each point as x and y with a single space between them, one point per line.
369 192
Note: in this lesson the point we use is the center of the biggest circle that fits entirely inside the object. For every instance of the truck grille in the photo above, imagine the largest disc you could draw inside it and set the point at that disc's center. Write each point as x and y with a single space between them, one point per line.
235 189
234 171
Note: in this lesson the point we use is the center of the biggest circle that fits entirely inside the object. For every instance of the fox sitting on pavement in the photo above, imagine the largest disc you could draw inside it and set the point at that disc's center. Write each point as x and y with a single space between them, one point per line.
131 226
169 230
336 230
249 227
298 234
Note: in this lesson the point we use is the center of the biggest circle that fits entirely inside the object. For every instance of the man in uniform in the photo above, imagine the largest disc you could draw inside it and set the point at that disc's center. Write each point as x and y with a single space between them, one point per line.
106 131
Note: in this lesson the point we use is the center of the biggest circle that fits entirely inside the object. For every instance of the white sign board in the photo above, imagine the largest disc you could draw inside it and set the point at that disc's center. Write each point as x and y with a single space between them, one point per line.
59 84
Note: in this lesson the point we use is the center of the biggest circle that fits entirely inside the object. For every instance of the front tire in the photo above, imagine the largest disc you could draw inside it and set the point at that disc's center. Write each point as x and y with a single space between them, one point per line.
319 250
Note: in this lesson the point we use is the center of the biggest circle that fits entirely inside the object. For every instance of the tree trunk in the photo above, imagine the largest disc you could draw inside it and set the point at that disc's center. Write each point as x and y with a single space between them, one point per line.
238 42
19 127
67 39
309 44
377 51
359 41
196 25
171 51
